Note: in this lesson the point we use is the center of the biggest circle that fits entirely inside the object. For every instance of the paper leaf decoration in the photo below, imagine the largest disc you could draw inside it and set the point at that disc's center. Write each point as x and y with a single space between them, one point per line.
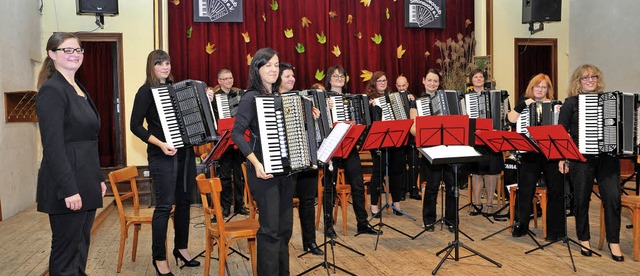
358 35
332 14
189 31
467 23
274 5
305 22
322 39
377 39
400 51
210 48
300 48
366 3
387 14
366 75
427 54
288 33
264 17
175 2
349 19
249 59
336 51
246 37
319 74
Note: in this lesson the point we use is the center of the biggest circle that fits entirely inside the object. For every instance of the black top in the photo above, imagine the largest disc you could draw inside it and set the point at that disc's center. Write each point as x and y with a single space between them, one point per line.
569 117
69 126
246 118
144 107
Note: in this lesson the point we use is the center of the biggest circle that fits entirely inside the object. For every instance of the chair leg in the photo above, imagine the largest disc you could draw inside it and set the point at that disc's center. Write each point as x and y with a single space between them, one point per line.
636 234
207 256
253 251
512 206
222 258
535 213
123 238
136 230
344 203
543 204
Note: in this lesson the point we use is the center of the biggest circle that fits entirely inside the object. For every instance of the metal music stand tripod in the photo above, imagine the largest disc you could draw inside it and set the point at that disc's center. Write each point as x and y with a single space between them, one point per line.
508 141
556 144
326 150
385 135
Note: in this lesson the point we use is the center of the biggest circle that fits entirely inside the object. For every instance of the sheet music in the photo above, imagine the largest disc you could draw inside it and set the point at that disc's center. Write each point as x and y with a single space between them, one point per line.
329 144
449 154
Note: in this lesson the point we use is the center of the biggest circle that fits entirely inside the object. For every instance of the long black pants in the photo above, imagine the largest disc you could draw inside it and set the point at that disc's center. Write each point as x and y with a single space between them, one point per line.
396 166
70 242
306 184
434 175
353 174
230 173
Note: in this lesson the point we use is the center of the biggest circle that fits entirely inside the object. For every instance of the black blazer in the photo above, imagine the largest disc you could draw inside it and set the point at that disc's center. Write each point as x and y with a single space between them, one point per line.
69 126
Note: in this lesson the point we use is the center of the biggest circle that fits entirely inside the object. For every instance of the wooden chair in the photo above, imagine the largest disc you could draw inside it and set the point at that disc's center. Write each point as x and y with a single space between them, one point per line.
135 217
248 198
631 203
499 192
541 196
223 233
343 192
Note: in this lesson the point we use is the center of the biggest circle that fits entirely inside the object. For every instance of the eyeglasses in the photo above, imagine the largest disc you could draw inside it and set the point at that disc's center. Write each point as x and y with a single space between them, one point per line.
381 81
226 79
541 87
588 78
70 50
338 76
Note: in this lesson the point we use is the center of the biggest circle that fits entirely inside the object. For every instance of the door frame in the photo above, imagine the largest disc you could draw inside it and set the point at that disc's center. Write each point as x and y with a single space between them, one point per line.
121 160
550 42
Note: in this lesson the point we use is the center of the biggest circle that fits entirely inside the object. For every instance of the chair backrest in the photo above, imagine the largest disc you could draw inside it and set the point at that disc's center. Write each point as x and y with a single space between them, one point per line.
125 174
212 187
253 207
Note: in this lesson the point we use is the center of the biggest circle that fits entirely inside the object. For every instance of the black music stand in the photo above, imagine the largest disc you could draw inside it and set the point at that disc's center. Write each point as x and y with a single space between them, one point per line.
449 147
326 150
499 141
556 144
385 135
431 131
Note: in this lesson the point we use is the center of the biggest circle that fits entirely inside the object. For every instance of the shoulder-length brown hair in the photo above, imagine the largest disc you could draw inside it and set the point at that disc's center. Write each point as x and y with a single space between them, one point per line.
48 67
154 58
537 79
575 86
371 86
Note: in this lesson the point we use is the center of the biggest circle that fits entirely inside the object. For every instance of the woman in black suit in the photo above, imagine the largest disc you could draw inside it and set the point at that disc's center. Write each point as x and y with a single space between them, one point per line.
173 171
70 183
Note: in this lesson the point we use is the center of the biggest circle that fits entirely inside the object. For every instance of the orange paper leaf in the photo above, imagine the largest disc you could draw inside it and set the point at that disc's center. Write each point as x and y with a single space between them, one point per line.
305 22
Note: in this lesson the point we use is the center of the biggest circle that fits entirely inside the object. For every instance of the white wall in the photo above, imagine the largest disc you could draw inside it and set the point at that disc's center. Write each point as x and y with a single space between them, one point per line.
19 50
607 34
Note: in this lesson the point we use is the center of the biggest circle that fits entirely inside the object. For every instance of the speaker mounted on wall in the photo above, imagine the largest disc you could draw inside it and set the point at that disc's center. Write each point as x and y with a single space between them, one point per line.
541 10
103 7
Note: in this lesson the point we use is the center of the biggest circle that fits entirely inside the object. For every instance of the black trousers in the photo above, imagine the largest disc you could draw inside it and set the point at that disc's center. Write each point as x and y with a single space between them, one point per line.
230 173
531 166
353 174
173 178
434 175
70 241
306 184
275 202
605 169
396 168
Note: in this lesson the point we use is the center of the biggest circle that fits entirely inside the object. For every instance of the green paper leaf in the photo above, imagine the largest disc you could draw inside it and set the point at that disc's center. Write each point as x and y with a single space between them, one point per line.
377 38
300 48
189 31
320 74
274 5
322 39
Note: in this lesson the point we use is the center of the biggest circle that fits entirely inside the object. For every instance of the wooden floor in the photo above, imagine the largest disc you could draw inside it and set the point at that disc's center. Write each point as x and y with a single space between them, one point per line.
396 254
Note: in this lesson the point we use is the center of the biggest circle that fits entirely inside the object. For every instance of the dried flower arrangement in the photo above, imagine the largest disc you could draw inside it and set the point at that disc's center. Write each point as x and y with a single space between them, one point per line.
456 61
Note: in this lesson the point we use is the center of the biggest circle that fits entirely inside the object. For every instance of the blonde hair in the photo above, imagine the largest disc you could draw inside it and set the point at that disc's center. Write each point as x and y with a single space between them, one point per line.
537 79
575 87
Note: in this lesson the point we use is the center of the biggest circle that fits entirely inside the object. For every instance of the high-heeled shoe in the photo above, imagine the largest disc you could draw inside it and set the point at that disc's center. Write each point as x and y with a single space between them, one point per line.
312 248
614 257
476 209
158 271
189 263
585 253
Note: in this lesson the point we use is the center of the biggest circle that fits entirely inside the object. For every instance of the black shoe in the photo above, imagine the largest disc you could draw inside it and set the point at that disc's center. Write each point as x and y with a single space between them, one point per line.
476 210
551 238
519 231
226 213
331 233
158 271
585 253
397 213
429 227
189 263
367 229
614 257
312 248
242 211
415 195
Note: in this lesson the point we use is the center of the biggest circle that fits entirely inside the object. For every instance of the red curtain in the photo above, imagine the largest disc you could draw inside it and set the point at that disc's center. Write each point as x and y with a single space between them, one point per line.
191 61
97 75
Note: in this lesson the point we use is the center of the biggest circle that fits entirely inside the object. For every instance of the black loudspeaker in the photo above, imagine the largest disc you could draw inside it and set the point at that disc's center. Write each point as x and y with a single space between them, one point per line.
106 7
541 10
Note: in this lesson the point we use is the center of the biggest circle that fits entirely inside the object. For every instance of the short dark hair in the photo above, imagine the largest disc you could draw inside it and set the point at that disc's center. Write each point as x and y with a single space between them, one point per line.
283 66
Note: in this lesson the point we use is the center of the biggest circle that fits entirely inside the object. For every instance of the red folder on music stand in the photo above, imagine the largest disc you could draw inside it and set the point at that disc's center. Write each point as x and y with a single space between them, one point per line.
555 143
217 151
479 124
442 130
387 134
349 141
500 140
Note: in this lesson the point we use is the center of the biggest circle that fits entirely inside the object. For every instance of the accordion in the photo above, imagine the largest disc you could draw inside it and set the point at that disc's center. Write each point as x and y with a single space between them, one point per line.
446 102
186 115
493 104
227 104
395 106
287 133
319 99
607 123
539 113
351 107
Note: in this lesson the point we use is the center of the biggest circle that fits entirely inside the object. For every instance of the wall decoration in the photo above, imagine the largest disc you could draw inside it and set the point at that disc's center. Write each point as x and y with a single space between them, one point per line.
217 11
425 14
